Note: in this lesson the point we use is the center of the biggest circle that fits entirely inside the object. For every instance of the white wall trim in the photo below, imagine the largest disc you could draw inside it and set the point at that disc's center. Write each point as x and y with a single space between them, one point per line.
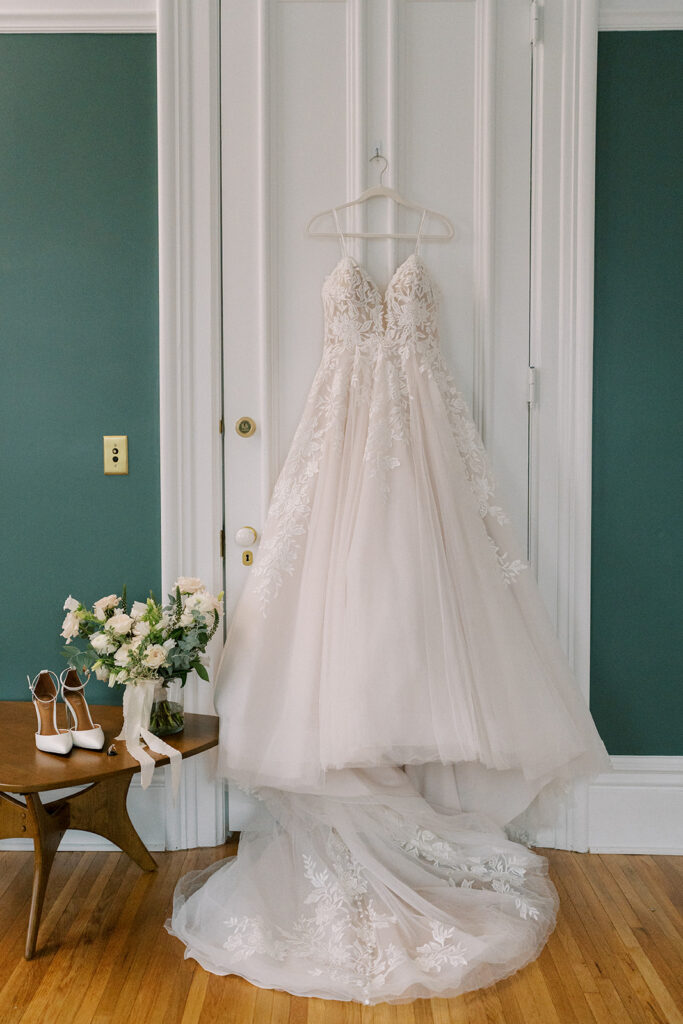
484 203
78 16
190 353
640 16
638 807
565 73
147 810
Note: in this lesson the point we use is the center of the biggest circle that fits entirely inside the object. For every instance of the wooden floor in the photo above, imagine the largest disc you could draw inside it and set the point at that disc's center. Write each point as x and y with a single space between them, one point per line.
616 955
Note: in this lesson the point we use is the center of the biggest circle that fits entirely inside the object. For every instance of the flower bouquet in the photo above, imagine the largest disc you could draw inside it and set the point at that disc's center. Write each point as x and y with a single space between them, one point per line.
148 644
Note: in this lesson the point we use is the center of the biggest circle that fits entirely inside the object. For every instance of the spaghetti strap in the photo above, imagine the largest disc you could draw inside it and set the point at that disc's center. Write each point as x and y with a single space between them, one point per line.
342 240
418 244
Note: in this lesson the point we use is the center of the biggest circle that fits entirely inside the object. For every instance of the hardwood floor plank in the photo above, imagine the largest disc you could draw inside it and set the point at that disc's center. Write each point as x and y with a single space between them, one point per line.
506 993
26 976
670 879
637 893
228 1001
66 980
422 1011
660 890
565 993
122 948
474 1007
620 938
151 937
109 940
10 868
593 974
298 1010
440 1012
196 997
655 937
616 956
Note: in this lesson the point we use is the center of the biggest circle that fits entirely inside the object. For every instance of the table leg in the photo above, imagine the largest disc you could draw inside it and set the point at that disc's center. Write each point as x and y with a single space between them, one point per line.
46 826
102 809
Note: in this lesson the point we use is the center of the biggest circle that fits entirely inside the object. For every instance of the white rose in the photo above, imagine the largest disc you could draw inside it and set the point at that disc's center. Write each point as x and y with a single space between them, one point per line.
141 628
102 673
208 604
104 604
70 627
135 643
71 604
155 656
120 623
139 609
186 619
122 656
187 584
102 643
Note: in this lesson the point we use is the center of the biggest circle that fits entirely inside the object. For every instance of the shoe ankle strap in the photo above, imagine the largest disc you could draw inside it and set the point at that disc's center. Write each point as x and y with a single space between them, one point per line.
64 685
32 685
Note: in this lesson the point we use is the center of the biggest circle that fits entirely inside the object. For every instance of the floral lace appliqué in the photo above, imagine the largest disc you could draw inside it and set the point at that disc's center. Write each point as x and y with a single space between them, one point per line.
370 340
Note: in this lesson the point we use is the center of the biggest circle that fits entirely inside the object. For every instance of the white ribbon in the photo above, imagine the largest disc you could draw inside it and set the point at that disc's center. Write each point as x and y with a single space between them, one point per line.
137 707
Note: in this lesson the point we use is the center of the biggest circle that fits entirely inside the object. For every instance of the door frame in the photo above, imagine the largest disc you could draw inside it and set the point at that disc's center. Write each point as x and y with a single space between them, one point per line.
561 342
561 334
188 82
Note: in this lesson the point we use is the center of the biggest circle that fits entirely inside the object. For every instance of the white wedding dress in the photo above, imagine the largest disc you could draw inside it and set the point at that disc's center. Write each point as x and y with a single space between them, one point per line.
391 688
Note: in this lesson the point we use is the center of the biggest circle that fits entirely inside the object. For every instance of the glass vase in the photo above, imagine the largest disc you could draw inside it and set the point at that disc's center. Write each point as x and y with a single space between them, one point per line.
168 709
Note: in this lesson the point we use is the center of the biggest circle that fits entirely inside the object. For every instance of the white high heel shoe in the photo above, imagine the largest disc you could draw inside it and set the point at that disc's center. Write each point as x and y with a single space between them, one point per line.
84 731
49 738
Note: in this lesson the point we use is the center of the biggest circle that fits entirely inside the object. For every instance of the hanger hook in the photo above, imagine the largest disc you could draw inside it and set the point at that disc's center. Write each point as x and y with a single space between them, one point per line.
378 156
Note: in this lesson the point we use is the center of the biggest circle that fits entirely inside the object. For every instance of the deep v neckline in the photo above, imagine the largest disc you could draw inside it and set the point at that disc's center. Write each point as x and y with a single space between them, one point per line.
413 257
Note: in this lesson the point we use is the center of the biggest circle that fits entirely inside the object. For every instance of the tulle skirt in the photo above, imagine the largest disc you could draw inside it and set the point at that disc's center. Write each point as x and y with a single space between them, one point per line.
368 895
393 691
389 618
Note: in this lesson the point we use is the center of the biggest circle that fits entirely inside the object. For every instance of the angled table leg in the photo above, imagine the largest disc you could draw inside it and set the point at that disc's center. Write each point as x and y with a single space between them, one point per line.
102 809
47 828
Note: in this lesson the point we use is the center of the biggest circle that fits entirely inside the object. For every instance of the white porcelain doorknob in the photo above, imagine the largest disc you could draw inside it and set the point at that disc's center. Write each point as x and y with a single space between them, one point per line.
246 536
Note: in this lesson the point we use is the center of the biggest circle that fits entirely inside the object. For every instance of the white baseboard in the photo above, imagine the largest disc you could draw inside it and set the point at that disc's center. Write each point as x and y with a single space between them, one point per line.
637 808
147 809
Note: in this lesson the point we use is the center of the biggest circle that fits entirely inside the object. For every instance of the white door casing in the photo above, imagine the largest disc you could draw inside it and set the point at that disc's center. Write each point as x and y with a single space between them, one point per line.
309 91
561 322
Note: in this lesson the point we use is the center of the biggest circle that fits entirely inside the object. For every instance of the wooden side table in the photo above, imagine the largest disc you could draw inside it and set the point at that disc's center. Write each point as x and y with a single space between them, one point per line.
101 808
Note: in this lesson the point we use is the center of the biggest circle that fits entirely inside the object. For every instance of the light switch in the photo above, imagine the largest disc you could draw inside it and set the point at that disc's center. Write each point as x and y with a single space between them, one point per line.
115 454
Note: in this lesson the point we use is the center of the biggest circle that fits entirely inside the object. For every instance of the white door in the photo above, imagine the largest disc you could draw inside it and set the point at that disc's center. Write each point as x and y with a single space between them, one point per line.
310 89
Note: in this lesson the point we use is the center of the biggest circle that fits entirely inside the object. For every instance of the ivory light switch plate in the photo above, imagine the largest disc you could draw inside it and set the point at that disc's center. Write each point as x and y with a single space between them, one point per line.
115 454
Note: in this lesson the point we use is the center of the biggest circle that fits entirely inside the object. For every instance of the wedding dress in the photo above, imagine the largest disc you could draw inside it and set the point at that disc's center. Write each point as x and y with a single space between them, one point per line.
391 689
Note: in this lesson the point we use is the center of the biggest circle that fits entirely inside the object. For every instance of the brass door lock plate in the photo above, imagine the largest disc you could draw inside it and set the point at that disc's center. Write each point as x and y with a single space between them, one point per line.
245 426
116 454
247 557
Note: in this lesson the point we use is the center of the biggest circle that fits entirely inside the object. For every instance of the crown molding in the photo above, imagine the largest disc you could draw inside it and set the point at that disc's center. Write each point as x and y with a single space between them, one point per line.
634 16
78 16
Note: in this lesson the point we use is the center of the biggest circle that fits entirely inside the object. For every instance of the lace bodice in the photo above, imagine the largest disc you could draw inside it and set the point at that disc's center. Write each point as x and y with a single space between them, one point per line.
357 315
376 348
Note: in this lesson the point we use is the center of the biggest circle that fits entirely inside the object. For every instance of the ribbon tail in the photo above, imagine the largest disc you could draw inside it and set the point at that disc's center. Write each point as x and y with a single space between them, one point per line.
137 706
147 763
156 744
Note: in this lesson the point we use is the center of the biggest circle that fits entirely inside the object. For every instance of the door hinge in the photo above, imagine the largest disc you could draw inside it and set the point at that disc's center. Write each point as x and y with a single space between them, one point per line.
534 23
222 543
532 382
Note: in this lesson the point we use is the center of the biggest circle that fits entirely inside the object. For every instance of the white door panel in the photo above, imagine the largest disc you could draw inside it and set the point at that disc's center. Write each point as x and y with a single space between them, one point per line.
309 89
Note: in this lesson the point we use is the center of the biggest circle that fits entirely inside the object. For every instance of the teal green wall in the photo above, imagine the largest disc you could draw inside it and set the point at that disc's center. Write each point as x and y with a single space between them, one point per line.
637 605
78 334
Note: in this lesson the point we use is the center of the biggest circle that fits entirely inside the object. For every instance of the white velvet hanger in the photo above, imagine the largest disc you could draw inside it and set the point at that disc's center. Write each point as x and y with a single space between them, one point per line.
388 193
